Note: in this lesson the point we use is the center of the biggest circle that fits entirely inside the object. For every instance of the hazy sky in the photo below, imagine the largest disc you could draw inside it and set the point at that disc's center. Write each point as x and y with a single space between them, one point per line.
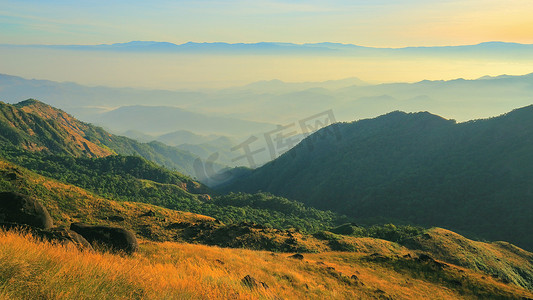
393 23
380 23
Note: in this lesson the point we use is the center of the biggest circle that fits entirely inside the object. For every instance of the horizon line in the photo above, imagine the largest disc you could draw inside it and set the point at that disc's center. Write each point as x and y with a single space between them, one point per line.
263 42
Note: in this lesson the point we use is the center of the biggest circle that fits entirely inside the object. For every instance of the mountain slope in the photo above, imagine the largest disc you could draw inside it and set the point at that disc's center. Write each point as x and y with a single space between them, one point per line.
185 271
133 179
380 267
36 126
473 177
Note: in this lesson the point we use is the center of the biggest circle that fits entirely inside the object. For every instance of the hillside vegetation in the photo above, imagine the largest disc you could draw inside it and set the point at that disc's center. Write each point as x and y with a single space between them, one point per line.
418 168
70 204
34 269
388 244
134 179
36 126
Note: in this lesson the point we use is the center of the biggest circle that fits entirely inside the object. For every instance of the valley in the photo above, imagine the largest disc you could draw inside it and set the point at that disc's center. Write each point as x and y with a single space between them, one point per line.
188 228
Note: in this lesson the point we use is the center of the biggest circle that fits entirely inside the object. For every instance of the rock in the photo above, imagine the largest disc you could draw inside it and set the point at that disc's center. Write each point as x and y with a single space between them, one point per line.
115 218
297 256
356 280
425 258
116 238
57 234
11 176
149 213
66 236
21 209
251 282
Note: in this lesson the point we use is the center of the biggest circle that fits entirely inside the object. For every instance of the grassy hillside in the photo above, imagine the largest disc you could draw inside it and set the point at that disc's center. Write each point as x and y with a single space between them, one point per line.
231 228
33 269
500 262
52 130
474 177
127 178
36 126
500 259
134 179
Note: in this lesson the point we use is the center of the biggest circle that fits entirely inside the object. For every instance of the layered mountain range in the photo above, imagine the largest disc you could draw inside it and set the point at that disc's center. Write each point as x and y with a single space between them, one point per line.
73 170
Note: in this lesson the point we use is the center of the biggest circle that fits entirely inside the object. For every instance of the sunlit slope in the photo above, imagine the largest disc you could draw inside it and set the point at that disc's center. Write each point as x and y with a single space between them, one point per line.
31 269
68 204
50 130
499 263
36 126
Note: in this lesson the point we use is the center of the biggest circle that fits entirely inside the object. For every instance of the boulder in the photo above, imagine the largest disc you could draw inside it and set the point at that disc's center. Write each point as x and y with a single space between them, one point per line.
56 234
21 209
251 282
149 213
297 256
65 236
114 238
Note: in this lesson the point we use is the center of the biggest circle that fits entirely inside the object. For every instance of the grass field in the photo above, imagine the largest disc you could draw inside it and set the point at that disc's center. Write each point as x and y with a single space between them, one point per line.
31 269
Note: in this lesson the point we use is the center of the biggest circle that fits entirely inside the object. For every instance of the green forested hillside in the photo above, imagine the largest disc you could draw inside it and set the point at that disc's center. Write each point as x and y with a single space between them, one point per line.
474 177
134 179
36 126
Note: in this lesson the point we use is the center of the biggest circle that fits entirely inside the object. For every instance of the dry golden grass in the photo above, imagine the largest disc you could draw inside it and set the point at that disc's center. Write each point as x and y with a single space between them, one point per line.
507 261
30 269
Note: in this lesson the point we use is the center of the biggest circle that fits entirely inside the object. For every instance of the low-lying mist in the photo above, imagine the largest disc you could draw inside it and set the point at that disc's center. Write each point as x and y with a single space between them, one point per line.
173 71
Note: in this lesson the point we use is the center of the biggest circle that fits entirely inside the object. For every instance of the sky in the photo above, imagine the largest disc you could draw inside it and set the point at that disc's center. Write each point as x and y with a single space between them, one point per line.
376 23
379 23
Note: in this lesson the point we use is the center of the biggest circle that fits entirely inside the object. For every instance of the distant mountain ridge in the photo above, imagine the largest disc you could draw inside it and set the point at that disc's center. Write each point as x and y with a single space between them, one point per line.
277 102
151 119
325 48
419 168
